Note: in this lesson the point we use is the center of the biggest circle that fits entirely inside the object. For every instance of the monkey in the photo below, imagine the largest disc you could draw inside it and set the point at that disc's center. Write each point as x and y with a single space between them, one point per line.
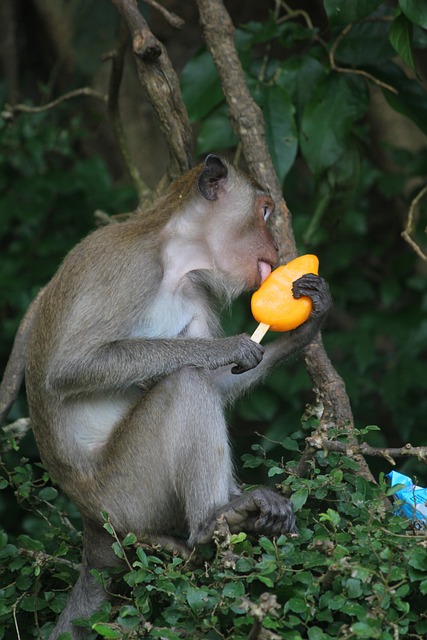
128 373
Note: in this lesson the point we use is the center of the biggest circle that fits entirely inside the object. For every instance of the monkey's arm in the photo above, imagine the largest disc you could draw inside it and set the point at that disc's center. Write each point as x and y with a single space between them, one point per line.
232 382
117 365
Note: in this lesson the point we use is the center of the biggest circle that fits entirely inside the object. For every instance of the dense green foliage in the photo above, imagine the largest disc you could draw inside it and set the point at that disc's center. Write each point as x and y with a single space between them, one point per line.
355 571
349 190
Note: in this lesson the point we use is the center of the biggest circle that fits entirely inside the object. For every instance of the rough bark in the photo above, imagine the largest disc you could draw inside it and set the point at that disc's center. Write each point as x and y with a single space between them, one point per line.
248 124
161 85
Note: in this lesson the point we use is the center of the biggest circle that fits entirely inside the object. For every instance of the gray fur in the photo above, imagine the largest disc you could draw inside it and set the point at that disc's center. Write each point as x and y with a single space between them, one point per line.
128 374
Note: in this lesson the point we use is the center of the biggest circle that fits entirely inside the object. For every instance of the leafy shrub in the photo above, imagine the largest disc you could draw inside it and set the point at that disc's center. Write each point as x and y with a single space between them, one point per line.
355 570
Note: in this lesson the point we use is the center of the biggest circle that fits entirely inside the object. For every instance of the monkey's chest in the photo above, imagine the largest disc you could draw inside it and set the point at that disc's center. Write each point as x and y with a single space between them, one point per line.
170 316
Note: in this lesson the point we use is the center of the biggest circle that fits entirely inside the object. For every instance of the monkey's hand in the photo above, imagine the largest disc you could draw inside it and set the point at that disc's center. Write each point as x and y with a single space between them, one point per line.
316 288
261 511
245 353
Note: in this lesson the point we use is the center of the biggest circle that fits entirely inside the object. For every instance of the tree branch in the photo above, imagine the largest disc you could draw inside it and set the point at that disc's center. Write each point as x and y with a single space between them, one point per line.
117 63
161 86
248 124
406 233
11 111
352 449
245 115
174 20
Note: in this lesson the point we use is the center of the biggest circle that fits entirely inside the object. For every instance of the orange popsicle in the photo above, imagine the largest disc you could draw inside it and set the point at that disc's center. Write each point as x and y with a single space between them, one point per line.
274 306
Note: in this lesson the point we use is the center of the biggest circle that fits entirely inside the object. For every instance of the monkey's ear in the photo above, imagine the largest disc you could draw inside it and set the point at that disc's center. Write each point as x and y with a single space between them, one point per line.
214 171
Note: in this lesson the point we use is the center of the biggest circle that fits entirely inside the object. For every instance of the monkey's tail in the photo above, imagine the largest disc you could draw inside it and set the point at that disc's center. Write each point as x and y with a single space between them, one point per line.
86 597
88 594
14 372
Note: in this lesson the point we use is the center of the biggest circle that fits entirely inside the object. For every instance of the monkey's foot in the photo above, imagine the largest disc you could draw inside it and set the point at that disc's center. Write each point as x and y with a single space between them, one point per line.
260 511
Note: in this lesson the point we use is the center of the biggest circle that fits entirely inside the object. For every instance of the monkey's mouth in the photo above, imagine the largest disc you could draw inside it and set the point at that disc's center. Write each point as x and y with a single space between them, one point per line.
264 269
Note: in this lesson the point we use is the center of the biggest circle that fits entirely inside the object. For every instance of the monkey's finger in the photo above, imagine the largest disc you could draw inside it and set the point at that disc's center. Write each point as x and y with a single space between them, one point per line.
305 285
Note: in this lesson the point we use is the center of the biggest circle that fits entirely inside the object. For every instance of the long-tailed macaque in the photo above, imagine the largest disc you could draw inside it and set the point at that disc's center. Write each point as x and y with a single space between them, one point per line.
128 373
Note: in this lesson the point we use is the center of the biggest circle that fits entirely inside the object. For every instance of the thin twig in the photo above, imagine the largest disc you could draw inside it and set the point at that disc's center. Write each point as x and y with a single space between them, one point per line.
15 617
248 123
410 223
11 111
161 84
116 537
42 558
352 449
117 63
18 430
359 72
294 13
172 18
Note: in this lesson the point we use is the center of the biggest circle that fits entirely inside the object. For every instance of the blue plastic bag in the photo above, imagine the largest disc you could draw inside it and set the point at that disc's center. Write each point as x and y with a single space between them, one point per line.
412 500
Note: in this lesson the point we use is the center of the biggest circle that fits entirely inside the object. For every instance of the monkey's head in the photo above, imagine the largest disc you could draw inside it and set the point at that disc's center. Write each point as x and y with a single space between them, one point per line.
236 209
216 225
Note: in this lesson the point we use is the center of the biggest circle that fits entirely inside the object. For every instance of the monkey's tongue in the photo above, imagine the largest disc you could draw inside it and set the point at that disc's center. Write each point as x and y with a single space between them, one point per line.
264 269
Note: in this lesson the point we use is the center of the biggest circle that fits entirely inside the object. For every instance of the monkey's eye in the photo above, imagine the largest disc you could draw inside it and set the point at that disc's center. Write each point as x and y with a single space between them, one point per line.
266 210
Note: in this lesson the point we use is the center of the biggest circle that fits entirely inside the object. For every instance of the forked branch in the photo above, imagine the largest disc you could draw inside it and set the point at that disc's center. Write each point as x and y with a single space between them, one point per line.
248 123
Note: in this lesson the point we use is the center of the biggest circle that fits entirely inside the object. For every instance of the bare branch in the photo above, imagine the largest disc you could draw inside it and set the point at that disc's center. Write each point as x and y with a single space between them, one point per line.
117 58
359 72
248 124
42 558
172 18
11 111
161 85
17 430
352 449
245 115
406 233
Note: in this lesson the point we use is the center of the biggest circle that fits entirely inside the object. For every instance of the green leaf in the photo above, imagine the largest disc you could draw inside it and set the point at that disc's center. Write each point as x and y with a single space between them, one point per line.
299 498
290 444
400 37
299 76
316 633
365 44
331 516
106 631
328 119
410 99
369 629
129 540
354 588
281 131
48 493
297 605
345 11
236 538
266 580
416 11
233 590
197 599
215 132
201 89
275 471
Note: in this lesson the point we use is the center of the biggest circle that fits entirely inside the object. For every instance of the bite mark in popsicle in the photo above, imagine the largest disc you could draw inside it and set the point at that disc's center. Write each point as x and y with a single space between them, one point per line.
273 304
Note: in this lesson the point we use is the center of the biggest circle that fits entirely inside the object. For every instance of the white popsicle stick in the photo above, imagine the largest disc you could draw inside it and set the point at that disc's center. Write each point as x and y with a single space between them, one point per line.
260 332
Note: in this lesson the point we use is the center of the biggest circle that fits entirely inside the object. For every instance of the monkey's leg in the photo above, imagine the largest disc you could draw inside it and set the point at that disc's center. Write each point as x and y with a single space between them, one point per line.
87 595
167 467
